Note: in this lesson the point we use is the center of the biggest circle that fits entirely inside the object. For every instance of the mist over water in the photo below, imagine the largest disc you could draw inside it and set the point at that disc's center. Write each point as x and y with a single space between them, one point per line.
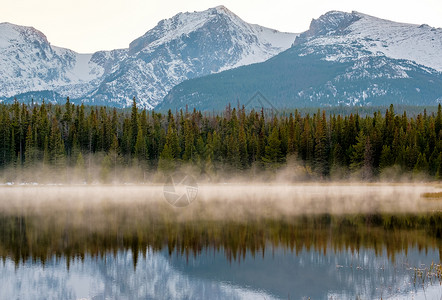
226 201
236 240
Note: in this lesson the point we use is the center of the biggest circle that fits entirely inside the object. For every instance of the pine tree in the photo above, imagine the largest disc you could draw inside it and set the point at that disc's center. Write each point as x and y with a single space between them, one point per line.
433 162
321 146
30 151
13 153
46 154
411 156
209 153
438 175
75 150
5 135
307 143
387 157
421 165
338 156
189 142
56 148
242 149
261 140
217 148
272 157
66 121
43 126
114 155
166 163
438 123
170 153
368 159
172 141
358 152
291 147
140 146
133 125
233 156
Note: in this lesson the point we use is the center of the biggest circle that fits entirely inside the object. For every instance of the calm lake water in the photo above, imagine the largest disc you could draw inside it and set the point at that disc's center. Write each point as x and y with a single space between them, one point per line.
59 245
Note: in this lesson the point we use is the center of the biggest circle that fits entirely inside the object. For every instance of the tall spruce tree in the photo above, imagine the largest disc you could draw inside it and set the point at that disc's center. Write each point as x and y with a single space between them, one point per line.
56 148
272 157
133 125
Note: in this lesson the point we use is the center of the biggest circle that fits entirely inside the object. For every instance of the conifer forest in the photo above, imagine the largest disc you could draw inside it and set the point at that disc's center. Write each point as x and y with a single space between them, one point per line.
58 138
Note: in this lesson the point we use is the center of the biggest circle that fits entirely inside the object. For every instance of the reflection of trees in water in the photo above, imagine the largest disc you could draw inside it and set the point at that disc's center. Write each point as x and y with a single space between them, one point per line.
40 236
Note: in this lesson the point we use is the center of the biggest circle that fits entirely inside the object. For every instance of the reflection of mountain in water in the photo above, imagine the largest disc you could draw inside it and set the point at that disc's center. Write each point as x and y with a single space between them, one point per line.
114 278
277 274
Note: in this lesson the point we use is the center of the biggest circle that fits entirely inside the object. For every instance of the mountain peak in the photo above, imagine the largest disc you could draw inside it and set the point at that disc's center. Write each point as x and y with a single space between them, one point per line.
16 33
217 19
176 26
341 33
221 8
331 23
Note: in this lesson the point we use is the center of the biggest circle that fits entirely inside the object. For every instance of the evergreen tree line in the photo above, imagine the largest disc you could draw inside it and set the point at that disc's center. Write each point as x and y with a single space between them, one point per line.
60 137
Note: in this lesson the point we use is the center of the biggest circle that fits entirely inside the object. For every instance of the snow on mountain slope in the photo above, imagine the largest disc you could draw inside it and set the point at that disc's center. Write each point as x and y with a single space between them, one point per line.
30 63
185 46
369 35
192 45
343 59
183 24
259 43
83 69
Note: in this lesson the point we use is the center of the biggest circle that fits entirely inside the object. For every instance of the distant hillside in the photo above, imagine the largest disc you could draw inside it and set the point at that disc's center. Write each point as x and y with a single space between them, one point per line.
343 59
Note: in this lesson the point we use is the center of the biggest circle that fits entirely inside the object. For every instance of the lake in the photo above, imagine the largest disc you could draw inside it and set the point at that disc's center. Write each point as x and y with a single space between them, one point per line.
309 241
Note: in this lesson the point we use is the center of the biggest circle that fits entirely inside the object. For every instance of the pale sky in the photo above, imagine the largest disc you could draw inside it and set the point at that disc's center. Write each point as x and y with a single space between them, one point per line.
91 25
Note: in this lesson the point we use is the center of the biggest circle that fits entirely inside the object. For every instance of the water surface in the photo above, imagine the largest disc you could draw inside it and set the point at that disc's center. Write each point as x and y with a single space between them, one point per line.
262 243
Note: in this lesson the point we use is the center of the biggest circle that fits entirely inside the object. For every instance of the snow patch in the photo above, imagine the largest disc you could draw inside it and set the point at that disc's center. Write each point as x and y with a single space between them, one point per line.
421 44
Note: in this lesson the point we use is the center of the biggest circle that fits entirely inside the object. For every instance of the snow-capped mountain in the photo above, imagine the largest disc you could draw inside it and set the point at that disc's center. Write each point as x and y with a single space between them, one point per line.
343 59
355 35
30 63
185 46
386 61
